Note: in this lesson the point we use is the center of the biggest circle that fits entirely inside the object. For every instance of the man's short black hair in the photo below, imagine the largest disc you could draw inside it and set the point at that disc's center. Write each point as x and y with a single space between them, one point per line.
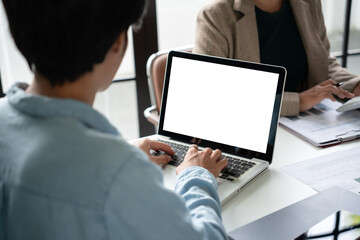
63 39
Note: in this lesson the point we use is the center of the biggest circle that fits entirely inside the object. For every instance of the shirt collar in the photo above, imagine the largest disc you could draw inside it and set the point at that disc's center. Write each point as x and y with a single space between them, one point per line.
46 107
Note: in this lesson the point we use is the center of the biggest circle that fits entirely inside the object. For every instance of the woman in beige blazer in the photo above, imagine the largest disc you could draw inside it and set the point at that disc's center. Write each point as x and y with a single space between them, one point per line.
230 28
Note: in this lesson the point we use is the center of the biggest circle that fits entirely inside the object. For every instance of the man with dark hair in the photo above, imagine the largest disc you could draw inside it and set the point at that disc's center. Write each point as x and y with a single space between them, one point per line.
65 171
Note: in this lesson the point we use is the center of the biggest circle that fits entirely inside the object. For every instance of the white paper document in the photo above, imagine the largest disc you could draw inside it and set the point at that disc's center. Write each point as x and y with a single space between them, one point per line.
323 125
337 169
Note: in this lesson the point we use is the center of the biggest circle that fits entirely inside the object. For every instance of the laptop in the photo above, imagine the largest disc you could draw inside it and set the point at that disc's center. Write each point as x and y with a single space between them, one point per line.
223 104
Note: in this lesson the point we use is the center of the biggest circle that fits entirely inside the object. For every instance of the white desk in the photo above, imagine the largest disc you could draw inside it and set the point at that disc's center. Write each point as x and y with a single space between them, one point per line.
275 189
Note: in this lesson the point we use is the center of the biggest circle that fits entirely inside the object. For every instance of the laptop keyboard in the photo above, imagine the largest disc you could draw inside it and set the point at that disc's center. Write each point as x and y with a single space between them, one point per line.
236 166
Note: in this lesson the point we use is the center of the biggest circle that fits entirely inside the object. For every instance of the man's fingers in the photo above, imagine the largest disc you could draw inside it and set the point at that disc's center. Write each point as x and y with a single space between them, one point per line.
157 146
223 163
162 159
220 165
196 147
207 151
216 154
193 148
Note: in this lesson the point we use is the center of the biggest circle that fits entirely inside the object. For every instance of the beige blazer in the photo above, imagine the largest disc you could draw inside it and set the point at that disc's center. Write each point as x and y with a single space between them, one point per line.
227 28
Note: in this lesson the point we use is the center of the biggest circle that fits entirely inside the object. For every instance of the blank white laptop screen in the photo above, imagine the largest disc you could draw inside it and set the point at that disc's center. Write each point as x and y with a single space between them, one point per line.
220 103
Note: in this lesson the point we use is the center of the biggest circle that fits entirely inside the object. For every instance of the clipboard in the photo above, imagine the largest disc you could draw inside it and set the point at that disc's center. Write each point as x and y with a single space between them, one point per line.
323 126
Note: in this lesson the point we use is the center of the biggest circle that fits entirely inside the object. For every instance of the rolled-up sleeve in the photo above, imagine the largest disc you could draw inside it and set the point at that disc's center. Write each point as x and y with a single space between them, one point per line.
140 207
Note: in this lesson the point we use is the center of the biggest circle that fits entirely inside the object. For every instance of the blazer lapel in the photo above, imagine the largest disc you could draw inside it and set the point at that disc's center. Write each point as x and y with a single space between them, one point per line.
310 38
246 33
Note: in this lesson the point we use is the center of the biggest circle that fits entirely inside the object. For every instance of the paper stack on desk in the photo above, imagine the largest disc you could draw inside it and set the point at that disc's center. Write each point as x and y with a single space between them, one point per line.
336 169
323 125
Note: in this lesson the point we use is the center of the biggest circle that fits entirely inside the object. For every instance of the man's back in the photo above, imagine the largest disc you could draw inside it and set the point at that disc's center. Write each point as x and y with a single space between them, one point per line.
68 174
65 171
57 168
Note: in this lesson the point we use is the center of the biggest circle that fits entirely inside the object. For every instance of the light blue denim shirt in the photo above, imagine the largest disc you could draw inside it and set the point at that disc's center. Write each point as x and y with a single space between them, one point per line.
66 173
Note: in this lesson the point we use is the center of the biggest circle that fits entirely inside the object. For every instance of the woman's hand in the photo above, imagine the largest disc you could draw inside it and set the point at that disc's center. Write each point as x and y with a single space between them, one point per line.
316 94
356 90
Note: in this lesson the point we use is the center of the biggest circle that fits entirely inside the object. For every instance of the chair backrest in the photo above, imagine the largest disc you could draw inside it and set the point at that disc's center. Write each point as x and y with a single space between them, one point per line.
156 66
156 78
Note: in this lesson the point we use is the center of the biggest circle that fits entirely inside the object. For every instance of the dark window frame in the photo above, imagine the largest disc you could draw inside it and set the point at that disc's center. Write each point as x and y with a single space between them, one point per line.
345 47
145 43
2 94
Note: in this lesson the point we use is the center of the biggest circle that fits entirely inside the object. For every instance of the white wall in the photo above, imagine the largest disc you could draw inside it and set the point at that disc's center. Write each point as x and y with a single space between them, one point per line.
355 16
334 14
13 66
176 21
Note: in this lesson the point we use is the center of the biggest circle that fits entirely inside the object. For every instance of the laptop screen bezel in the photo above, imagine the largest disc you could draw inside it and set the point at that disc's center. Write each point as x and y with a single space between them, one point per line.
281 71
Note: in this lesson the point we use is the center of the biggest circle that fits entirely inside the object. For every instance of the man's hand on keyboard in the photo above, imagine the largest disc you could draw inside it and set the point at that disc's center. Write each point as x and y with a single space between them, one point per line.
207 158
147 145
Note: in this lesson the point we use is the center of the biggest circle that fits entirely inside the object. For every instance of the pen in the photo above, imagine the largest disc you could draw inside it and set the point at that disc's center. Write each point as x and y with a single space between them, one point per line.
339 84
